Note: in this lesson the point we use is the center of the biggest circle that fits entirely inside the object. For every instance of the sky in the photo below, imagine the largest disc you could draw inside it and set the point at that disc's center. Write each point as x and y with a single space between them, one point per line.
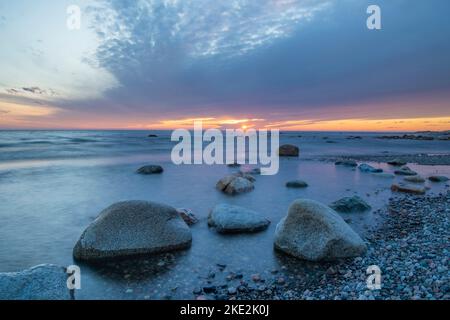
286 64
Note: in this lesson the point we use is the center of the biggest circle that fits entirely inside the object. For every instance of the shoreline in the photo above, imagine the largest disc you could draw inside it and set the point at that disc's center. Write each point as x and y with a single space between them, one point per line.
409 247
418 158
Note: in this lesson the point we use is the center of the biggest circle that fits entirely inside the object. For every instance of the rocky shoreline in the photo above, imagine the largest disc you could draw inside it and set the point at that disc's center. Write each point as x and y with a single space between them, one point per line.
410 247
421 159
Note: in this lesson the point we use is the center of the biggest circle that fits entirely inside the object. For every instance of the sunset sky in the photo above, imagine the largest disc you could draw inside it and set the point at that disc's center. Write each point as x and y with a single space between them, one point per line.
286 64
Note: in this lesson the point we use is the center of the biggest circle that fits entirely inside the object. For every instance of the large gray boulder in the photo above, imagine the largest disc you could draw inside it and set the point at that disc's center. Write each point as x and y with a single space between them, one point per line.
44 282
315 232
350 204
133 228
233 219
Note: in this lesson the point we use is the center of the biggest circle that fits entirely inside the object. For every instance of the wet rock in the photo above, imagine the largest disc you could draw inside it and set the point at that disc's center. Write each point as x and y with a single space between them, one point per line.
397 162
414 179
369 169
234 184
407 188
346 163
188 216
288 150
405 171
296 184
438 179
133 228
44 282
350 204
233 219
152 136
315 232
152 169
210 289
234 165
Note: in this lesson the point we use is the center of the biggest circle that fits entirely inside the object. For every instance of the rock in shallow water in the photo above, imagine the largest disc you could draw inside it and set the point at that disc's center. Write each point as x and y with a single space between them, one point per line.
397 162
235 184
288 150
152 169
133 228
438 179
407 188
188 216
414 179
315 232
297 184
350 204
369 169
44 282
346 163
233 219
384 175
405 171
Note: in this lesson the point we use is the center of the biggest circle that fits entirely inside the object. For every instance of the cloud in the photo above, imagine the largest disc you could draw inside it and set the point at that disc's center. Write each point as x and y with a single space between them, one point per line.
265 57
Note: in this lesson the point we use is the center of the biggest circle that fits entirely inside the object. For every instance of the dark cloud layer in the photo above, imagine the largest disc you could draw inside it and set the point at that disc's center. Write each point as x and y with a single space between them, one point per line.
311 57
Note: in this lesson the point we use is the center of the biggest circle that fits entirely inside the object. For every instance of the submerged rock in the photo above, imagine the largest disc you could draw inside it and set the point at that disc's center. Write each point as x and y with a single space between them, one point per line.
288 150
236 184
405 171
297 184
188 216
414 179
369 169
152 169
346 163
44 282
407 188
397 162
438 179
350 204
233 219
315 232
133 228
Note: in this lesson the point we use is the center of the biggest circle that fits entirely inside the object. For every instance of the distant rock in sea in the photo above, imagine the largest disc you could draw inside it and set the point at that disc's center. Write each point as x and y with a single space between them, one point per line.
397 162
44 282
315 232
369 169
152 136
346 163
152 169
350 204
438 179
296 184
233 219
133 228
288 150
407 188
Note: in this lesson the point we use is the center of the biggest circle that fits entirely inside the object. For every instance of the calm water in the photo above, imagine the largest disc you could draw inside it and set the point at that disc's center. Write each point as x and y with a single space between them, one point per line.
53 184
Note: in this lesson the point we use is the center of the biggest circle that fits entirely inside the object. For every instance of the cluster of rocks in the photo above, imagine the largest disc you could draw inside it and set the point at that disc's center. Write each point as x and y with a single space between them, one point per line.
423 136
409 247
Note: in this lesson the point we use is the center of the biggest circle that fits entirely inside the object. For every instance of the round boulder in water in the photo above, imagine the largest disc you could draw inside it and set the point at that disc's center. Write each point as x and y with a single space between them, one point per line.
133 228
233 219
315 232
